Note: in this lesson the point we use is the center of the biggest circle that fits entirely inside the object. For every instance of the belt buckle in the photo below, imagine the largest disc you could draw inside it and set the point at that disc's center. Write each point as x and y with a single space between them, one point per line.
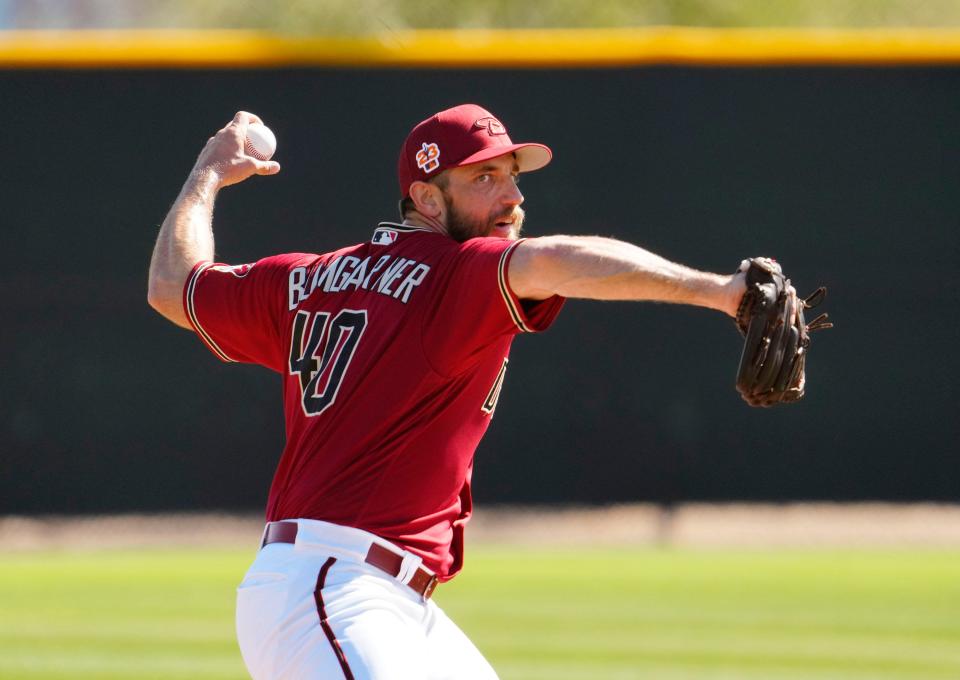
431 586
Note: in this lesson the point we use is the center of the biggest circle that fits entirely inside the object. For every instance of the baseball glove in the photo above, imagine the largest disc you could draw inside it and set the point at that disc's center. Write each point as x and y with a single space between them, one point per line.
776 336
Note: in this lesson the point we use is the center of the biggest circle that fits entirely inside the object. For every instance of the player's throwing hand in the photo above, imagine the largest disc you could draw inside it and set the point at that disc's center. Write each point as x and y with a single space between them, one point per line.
224 154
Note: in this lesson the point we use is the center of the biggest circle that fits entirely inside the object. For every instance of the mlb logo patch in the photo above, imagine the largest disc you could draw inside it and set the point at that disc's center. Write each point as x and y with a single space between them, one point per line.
384 237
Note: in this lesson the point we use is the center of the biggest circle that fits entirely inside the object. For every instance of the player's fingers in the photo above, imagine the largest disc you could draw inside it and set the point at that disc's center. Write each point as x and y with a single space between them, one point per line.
794 306
269 168
233 122
244 118
264 167
228 131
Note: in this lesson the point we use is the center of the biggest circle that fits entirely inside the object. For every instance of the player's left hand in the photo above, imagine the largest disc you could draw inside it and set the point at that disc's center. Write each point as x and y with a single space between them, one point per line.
776 335
224 157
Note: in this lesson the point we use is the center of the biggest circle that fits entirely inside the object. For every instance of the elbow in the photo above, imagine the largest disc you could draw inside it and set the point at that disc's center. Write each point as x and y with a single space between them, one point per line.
165 298
153 296
158 294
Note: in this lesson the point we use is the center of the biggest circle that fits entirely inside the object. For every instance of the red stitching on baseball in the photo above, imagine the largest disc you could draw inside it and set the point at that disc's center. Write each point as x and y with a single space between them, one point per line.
251 150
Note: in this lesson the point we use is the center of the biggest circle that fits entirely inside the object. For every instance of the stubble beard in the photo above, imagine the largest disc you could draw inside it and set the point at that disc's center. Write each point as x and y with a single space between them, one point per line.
461 227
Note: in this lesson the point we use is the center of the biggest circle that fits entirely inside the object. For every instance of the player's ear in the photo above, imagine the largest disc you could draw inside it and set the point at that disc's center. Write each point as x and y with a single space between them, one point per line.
427 198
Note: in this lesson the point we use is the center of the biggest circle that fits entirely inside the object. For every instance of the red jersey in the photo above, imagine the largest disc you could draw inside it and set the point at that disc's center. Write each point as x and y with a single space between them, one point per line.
392 354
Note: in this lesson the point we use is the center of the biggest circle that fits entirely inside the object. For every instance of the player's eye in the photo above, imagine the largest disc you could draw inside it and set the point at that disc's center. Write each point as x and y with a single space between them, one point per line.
483 179
516 178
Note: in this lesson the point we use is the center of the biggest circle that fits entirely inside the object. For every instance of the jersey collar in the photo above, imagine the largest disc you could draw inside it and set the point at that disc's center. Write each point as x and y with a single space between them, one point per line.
396 226
387 232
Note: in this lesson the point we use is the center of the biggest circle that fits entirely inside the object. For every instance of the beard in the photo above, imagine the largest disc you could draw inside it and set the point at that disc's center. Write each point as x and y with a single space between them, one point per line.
463 227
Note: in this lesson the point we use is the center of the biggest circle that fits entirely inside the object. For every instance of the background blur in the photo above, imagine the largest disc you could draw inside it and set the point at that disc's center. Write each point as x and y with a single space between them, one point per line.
360 16
845 172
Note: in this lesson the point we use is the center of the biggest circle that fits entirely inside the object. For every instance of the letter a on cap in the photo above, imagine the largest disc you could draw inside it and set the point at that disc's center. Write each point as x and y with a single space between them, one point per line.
493 126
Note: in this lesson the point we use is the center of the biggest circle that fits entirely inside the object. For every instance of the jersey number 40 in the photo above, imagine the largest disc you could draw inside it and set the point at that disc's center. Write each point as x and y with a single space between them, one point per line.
321 354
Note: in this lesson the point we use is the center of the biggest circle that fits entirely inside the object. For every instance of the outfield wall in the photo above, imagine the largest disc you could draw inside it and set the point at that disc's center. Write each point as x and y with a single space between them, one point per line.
846 170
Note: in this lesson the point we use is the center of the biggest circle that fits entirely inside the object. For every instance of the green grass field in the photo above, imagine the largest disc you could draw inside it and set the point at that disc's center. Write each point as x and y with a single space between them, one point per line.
555 614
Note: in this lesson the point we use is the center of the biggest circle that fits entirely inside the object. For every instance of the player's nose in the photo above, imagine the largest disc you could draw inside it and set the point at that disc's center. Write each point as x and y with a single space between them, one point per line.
512 195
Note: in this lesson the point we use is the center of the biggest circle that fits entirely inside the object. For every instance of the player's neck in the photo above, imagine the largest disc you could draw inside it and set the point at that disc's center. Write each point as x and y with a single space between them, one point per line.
416 219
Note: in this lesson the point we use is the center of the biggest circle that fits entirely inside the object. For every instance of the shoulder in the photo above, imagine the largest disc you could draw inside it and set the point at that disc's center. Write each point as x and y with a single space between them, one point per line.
283 261
487 243
486 246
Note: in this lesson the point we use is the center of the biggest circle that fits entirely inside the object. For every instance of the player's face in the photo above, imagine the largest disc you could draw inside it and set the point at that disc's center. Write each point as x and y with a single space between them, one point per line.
482 199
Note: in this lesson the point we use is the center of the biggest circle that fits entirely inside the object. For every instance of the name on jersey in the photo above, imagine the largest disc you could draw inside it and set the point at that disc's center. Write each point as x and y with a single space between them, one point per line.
396 277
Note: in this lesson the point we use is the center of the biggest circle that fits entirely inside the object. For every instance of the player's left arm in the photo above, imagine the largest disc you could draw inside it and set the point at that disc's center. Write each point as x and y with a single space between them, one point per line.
608 269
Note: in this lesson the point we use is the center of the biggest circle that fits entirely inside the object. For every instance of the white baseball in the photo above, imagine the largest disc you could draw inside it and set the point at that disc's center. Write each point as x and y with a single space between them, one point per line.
260 142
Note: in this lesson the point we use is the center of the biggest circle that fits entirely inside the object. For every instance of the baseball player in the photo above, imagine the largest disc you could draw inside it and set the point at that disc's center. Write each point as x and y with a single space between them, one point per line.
393 353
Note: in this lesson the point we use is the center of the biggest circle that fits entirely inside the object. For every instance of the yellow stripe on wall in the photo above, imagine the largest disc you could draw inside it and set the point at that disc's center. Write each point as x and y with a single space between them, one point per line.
479 48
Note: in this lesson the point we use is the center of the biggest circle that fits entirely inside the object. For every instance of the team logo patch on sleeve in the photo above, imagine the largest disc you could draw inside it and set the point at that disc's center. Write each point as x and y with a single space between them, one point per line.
384 237
428 158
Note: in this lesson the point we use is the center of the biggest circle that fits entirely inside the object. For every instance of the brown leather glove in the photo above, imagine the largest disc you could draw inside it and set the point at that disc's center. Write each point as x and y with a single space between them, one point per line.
776 336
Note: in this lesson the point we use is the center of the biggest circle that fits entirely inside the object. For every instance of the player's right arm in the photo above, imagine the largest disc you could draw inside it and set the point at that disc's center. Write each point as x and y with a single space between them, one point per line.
186 236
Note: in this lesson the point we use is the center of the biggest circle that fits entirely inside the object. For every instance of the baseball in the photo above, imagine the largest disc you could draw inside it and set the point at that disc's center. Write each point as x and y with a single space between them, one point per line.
260 142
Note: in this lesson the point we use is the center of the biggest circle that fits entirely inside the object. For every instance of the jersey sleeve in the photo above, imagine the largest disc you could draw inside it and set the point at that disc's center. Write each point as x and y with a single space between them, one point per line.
238 311
477 305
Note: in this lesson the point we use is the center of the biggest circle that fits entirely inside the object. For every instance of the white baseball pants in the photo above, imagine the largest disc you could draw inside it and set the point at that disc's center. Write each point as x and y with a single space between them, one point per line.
314 609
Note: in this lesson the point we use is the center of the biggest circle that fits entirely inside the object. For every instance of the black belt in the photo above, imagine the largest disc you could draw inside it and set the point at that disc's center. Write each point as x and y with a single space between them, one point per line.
423 582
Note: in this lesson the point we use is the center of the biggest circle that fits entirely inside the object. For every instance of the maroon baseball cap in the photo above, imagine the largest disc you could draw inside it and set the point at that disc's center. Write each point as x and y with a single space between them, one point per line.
464 134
